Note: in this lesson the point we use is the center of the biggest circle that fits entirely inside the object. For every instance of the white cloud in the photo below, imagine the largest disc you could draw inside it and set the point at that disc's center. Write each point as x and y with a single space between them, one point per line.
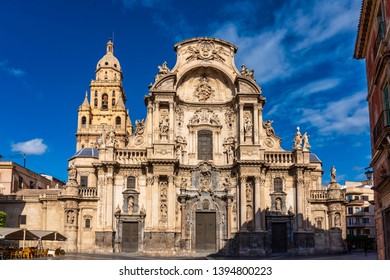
315 87
348 115
32 147
11 70
263 52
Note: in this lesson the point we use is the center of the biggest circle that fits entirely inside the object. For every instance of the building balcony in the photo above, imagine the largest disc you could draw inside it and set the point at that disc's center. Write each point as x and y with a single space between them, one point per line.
381 128
356 225
355 202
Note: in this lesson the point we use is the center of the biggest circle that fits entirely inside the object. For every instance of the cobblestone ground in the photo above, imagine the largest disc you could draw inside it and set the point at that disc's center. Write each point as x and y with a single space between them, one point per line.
135 256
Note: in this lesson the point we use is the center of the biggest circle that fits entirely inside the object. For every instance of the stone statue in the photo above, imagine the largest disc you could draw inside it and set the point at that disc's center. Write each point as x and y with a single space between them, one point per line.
71 217
337 222
72 173
268 128
297 140
246 72
163 69
139 127
164 126
305 139
203 90
130 205
247 124
333 174
278 204
111 138
183 184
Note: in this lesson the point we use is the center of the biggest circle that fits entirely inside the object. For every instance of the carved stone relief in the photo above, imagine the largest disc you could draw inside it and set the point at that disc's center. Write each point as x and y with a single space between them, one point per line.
203 90
205 50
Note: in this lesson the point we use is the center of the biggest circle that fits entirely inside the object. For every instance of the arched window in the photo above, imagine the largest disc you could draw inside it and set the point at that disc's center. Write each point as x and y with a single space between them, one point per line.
113 102
95 102
83 121
205 145
278 185
131 182
105 101
96 93
87 223
113 93
118 122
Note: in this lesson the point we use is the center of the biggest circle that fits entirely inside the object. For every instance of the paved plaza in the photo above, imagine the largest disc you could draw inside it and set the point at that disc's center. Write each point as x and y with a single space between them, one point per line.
356 255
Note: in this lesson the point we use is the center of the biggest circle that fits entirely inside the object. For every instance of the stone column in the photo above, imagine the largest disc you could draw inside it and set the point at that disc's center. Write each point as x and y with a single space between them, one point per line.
171 204
229 217
150 124
156 122
262 199
241 124
255 124
299 195
257 204
155 210
110 200
171 120
242 208
149 208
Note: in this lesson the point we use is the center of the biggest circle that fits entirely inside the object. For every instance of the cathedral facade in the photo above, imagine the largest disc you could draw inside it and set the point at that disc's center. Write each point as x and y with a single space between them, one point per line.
203 172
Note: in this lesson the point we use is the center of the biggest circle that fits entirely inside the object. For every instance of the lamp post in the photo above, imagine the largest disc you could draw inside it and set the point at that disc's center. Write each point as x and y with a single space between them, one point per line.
369 174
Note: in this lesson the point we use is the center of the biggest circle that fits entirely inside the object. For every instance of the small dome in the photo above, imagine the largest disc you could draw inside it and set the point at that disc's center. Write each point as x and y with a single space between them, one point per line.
87 152
314 158
109 60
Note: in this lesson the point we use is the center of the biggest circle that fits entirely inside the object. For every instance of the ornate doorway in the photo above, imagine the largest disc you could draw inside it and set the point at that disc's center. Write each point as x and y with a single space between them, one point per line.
279 237
130 237
205 231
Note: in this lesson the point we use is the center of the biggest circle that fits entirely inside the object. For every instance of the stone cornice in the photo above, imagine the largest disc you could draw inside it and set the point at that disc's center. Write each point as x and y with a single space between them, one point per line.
364 28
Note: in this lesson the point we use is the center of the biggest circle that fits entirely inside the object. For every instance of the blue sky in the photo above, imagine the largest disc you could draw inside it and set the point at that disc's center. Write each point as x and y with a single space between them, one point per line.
301 52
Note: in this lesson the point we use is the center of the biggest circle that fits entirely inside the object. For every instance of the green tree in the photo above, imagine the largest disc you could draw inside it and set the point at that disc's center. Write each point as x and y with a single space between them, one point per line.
3 218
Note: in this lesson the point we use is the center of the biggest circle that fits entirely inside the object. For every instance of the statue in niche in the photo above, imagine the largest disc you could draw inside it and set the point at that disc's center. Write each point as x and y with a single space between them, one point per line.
139 127
203 90
305 139
103 138
164 212
223 219
71 217
130 205
337 222
248 191
164 126
164 193
269 130
278 204
248 124
205 182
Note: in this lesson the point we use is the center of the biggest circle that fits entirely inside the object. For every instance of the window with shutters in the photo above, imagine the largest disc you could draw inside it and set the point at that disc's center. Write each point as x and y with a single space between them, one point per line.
205 145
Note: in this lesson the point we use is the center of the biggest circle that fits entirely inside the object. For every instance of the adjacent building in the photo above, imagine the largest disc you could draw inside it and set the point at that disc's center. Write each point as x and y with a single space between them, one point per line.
372 44
360 214
202 172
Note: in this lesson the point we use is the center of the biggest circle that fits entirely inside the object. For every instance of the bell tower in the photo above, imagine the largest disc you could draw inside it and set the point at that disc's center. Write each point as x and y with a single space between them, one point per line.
106 110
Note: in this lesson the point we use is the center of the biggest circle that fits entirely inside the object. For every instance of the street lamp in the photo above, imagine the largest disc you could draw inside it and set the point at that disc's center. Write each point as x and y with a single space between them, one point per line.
369 174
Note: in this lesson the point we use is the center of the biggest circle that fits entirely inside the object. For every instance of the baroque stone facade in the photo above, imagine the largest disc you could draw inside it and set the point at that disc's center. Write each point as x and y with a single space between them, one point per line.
203 172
